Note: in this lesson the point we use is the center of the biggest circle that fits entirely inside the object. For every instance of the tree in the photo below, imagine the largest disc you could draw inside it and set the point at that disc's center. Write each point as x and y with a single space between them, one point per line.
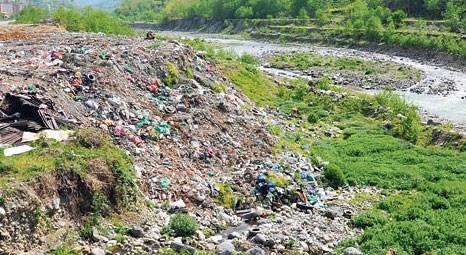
374 28
303 17
398 17
452 17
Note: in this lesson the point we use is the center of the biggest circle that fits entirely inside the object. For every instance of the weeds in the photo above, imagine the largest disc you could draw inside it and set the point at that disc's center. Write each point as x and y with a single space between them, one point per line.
181 225
172 76
226 196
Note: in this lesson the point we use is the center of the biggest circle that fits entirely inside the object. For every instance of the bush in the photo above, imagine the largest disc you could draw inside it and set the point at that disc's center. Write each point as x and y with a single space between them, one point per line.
369 219
91 138
219 88
91 20
313 118
31 15
334 176
172 76
249 59
182 225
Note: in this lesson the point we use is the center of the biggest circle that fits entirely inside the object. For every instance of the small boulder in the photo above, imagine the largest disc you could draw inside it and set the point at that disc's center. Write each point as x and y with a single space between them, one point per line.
177 246
352 251
136 232
234 235
225 248
331 214
97 251
259 239
256 251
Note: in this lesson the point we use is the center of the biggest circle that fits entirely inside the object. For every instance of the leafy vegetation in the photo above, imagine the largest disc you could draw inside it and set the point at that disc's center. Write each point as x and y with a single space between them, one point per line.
342 20
86 20
31 15
140 10
181 225
172 75
333 176
91 20
226 197
383 144
304 61
78 156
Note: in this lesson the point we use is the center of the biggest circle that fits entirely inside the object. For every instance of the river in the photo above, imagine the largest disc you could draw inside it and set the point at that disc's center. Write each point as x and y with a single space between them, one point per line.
451 107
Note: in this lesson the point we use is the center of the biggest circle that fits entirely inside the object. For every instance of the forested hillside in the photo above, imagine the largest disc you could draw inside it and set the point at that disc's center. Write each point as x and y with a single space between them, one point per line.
387 11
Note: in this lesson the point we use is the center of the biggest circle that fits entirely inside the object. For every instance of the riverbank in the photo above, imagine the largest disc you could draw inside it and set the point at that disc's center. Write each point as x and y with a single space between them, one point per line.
434 108
286 30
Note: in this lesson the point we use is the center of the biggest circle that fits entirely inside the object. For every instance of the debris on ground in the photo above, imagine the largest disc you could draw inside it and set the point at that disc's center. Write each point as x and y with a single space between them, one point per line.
199 151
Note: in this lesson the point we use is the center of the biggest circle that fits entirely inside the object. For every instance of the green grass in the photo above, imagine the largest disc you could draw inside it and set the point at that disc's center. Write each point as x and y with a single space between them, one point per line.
383 143
241 70
305 61
251 82
75 156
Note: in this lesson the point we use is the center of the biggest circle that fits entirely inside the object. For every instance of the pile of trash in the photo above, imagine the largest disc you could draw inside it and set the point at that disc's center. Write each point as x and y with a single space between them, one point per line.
157 102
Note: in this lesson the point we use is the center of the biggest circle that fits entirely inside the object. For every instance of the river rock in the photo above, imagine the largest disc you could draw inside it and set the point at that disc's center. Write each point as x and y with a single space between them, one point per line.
352 251
259 239
136 232
234 235
256 251
177 246
97 251
225 248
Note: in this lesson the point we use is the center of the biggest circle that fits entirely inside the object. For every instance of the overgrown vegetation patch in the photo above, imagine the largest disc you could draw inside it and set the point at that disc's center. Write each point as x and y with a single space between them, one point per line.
90 156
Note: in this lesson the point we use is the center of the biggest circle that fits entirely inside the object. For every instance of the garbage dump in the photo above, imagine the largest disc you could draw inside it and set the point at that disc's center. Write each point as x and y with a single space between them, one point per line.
28 112
201 151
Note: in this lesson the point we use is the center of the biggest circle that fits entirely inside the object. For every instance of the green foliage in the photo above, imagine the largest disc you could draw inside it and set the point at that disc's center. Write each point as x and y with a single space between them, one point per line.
91 20
404 117
302 17
313 118
219 88
182 225
374 29
249 59
306 61
140 10
334 176
255 85
31 15
64 250
370 219
172 76
226 197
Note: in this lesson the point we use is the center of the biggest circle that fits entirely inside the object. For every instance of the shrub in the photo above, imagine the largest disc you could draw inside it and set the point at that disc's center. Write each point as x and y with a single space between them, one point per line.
172 76
31 15
369 219
219 88
249 59
334 176
91 138
91 20
313 118
182 225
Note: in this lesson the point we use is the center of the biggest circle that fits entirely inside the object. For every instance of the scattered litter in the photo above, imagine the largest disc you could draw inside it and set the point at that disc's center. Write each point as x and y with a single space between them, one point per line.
17 150
57 135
